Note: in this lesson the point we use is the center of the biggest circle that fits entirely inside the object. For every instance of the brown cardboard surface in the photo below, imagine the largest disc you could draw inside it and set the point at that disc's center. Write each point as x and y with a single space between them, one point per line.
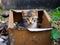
25 37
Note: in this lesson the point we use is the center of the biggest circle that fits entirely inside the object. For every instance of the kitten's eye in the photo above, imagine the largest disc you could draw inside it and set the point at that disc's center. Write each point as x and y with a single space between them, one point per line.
27 19
32 18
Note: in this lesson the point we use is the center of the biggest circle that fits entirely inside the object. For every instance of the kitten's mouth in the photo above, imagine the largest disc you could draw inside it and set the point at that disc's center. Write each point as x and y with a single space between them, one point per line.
30 24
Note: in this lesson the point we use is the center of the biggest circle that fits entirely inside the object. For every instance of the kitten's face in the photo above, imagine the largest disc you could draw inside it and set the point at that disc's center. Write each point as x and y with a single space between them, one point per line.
30 17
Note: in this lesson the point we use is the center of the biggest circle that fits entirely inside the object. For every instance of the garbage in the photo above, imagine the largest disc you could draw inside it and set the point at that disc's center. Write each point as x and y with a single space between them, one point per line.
3 33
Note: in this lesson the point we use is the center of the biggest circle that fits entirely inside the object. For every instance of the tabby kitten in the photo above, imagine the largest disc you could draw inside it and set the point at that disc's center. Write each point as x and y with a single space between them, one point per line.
30 18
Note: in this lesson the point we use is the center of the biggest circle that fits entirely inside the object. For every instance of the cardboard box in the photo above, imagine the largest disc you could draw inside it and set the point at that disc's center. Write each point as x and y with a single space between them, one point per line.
25 37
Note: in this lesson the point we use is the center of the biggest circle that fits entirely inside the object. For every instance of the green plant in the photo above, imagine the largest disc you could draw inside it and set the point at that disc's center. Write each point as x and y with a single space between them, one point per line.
56 12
